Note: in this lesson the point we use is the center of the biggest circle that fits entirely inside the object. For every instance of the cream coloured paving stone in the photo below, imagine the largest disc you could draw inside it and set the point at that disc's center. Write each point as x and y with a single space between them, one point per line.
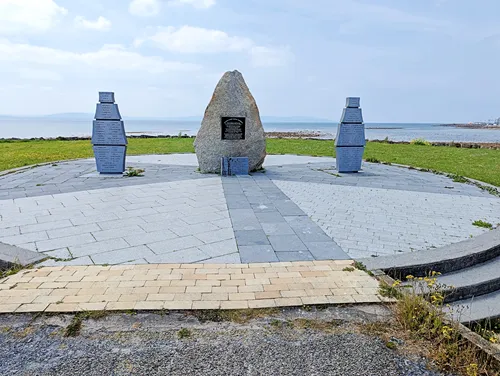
183 286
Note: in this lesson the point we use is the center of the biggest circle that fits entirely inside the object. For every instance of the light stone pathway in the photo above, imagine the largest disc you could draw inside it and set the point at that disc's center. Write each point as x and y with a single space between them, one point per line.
373 221
298 210
187 286
183 221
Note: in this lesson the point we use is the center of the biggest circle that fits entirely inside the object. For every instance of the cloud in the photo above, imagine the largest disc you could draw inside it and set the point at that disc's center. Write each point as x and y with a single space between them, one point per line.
270 57
199 4
39 74
196 40
189 39
101 24
109 57
144 8
29 16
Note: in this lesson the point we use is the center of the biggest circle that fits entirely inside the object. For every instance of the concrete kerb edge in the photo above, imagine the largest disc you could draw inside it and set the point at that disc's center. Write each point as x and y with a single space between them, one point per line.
422 169
19 169
445 264
486 348
23 168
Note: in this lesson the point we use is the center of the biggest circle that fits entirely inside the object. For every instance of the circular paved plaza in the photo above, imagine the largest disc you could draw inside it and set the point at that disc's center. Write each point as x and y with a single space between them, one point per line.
299 208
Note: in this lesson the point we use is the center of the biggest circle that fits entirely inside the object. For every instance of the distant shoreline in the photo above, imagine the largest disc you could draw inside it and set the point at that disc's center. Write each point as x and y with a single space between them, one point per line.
471 126
314 135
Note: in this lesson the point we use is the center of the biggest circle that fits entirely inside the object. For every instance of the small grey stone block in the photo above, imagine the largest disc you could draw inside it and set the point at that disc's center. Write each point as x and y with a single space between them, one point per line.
295 256
287 243
327 251
288 208
251 237
110 159
349 158
271 217
106 97
352 101
257 253
277 229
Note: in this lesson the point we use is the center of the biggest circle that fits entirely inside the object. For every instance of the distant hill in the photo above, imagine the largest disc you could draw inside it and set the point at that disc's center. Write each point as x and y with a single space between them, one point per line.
71 115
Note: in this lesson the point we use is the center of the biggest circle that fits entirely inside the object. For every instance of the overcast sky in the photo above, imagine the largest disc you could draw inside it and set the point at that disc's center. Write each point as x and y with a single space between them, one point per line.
410 61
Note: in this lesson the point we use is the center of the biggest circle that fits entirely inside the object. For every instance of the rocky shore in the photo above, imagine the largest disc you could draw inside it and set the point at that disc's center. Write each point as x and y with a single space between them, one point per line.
472 126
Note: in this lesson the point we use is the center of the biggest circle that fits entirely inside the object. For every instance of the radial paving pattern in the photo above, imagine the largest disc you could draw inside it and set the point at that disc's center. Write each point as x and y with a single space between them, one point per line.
299 209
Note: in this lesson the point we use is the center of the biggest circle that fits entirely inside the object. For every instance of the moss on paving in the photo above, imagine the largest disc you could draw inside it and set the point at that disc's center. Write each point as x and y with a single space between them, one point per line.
480 164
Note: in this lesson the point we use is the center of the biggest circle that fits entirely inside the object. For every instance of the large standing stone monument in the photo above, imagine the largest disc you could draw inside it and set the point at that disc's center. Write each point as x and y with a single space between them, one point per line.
108 136
350 142
231 127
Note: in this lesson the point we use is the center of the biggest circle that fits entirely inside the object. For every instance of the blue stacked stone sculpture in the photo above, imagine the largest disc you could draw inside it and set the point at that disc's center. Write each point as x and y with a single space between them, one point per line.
350 142
108 136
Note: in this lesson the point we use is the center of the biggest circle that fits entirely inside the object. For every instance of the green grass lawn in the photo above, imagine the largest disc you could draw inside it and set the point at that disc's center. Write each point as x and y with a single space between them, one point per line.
480 164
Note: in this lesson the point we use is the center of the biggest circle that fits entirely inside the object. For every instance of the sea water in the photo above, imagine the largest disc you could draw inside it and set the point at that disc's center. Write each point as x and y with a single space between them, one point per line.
53 127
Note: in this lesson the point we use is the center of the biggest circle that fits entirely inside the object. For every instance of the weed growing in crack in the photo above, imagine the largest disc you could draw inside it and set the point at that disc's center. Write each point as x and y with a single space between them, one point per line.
184 333
483 224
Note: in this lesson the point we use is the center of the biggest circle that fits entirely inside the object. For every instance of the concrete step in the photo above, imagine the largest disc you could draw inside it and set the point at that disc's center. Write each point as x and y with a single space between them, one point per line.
476 309
476 280
446 259
11 255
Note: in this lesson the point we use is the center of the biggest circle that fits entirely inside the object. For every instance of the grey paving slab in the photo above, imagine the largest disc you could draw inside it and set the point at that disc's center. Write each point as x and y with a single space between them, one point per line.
251 237
277 228
189 255
327 251
257 253
123 255
149 237
383 210
295 256
174 245
233 258
287 243
49 245
86 260
270 217
98 247
220 248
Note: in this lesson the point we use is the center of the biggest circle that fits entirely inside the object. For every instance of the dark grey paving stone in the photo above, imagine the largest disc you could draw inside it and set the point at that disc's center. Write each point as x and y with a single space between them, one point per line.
281 228
243 204
240 214
297 221
261 200
251 237
263 208
287 243
246 225
288 208
233 197
295 256
327 251
270 217
257 253
313 236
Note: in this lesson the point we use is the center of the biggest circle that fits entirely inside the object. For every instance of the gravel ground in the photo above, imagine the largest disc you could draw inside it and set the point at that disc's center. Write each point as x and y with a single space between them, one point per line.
149 344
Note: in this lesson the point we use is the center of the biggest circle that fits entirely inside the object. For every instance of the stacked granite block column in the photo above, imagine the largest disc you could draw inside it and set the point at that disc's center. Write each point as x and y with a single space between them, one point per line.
350 141
108 136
